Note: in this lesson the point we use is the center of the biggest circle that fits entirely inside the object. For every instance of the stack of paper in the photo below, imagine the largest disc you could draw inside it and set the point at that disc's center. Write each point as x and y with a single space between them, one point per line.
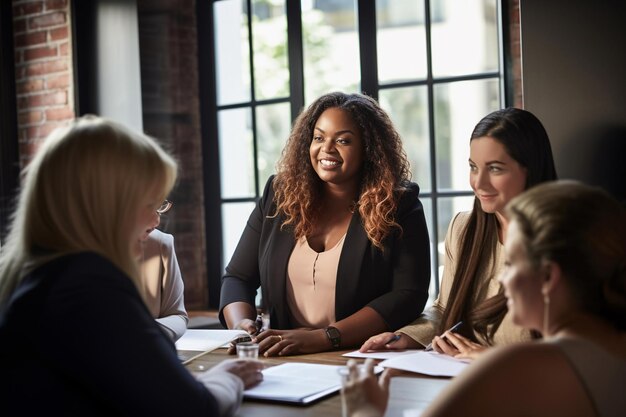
206 340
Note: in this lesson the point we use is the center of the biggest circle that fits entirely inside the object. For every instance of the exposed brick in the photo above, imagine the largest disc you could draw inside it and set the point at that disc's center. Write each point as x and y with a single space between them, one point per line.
47 20
39 100
50 67
18 57
59 33
39 53
31 39
60 113
28 148
40 132
58 81
28 8
30 118
56 4
64 49
29 86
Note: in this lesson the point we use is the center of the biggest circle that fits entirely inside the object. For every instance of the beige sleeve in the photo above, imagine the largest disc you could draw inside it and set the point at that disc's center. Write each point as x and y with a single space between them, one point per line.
425 327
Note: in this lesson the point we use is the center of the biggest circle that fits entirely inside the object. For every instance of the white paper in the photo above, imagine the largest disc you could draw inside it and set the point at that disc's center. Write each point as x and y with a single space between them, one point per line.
297 382
207 339
380 354
428 363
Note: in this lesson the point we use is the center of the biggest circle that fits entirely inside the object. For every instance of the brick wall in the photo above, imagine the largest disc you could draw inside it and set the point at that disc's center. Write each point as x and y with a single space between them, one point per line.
169 84
43 70
516 53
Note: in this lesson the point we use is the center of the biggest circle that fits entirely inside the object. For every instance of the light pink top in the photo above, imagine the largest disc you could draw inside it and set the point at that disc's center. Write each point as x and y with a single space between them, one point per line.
311 278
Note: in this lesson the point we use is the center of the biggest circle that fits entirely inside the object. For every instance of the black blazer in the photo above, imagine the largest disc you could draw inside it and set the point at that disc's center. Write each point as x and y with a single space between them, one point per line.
394 282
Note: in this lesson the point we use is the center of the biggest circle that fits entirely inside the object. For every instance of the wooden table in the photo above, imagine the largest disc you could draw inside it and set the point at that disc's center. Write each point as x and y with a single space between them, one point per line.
410 393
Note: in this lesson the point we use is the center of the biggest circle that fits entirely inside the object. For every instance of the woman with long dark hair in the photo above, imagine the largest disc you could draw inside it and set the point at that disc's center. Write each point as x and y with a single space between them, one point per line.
509 153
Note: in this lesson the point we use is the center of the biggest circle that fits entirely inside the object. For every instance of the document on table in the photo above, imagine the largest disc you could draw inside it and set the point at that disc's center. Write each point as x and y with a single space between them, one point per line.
206 340
428 363
380 354
297 383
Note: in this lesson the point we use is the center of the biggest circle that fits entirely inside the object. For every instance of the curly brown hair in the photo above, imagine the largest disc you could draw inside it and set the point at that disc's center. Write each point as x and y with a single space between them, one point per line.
384 174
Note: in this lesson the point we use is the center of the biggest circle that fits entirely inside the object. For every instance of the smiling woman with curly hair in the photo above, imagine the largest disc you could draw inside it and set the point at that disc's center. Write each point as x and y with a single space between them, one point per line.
338 242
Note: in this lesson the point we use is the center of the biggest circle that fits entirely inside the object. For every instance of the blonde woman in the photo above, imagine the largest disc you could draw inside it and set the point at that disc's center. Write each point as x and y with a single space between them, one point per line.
565 277
76 337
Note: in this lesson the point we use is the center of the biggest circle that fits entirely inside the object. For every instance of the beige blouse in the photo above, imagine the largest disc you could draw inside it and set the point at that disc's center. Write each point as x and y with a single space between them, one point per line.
425 327
311 278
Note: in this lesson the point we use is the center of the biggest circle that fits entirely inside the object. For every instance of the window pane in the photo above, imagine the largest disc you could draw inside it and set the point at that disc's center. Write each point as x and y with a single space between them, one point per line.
236 153
234 219
464 37
400 22
408 108
447 209
272 123
458 107
330 47
232 51
269 34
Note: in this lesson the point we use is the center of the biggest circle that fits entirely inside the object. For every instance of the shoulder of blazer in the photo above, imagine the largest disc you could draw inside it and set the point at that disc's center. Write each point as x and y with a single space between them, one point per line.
267 198
409 200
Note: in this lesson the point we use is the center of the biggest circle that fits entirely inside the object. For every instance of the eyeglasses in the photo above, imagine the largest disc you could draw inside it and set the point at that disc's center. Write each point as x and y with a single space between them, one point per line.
164 207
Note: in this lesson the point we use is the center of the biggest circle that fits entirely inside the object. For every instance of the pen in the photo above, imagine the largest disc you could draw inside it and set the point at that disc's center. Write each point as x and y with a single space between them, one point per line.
452 329
393 339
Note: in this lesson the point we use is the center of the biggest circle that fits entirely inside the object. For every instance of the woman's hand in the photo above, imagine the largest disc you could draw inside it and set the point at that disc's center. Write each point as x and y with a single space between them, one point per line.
458 346
363 393
247 325
292 342
247 369
388 340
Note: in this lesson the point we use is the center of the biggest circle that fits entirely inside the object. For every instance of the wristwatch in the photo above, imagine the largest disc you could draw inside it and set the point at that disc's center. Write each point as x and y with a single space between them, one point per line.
334 336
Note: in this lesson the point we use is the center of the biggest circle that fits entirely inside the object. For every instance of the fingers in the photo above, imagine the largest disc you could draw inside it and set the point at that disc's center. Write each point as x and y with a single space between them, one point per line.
385 379
273 343
376 342
247 325
442 346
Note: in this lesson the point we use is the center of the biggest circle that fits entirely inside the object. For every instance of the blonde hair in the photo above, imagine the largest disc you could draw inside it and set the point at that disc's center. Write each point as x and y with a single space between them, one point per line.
81 192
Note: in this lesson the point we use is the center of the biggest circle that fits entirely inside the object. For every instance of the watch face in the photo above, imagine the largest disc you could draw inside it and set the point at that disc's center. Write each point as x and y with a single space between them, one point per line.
333 333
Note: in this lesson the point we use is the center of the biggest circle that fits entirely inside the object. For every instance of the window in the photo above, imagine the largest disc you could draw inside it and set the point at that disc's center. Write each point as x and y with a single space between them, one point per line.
435 66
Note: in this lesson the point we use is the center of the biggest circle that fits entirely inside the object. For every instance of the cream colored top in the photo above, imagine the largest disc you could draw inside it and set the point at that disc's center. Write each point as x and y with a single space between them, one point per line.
163 283
311 279
425 327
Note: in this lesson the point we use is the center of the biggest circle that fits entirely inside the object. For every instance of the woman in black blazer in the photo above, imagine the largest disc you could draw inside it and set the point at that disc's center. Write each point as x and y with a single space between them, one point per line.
342 182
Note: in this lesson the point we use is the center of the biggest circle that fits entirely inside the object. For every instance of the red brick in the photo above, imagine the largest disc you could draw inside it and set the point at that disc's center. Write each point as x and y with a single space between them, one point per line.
47 20
56 4
58 81
31 39
39 100
28 8
29 86
42 68
28 148
60 113
38 132
18 58
64 49
59 33
39 53
30 117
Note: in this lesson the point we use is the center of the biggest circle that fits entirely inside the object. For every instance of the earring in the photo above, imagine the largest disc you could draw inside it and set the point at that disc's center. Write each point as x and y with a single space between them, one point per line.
546 313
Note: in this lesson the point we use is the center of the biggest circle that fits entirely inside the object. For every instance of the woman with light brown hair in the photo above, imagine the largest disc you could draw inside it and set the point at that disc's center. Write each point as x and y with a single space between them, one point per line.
338 242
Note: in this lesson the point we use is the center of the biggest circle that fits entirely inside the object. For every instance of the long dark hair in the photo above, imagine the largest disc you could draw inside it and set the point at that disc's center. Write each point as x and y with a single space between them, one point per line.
526 141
